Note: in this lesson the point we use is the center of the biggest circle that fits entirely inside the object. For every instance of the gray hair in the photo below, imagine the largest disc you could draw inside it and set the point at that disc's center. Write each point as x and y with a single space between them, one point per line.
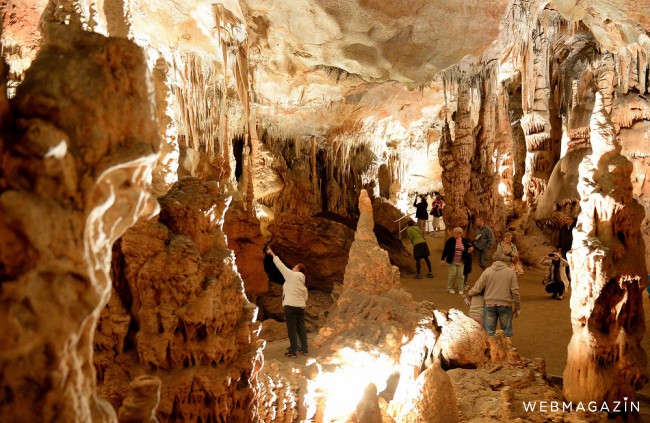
457 231
498 257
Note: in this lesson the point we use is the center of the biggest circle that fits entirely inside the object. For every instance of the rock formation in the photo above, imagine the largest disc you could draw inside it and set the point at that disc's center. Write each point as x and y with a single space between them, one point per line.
74 178
606 362
245 239
184 316
291 109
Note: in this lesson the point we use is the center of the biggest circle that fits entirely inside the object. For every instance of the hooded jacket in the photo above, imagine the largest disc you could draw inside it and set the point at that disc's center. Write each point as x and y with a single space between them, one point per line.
500 285
294 291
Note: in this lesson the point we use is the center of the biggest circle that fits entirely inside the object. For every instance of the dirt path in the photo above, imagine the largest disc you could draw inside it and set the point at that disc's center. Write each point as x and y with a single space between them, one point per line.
542 330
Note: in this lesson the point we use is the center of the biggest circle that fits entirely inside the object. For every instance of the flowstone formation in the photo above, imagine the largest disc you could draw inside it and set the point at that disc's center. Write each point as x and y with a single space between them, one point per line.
179 313
606 362
74 177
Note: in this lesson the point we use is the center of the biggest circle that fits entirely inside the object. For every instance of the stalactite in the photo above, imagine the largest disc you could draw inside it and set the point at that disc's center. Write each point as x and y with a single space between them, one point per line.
119 22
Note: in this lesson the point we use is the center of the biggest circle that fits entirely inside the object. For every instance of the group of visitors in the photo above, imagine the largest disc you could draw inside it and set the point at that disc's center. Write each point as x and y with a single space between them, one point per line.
494 297
422 212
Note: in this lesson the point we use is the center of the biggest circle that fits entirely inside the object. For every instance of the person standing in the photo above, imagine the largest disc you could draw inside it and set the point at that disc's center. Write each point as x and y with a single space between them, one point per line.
483 242
456 253
508 248
436 213
294 301
498 283
420 248
421 212
556 279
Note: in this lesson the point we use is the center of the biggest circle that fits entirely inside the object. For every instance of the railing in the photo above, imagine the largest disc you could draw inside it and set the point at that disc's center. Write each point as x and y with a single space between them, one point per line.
427 229
399 224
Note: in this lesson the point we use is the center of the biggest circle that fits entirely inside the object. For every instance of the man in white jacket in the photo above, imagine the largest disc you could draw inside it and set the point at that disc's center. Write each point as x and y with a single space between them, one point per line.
294 301
501 291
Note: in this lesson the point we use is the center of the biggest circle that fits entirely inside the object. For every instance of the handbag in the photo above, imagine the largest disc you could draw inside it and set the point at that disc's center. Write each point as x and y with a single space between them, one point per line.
517 267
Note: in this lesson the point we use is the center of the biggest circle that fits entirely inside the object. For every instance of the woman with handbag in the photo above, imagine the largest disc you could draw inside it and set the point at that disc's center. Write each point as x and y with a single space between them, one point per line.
509 250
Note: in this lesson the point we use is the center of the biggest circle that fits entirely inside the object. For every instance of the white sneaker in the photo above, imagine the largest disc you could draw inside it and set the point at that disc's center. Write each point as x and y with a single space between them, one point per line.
461 292
451 291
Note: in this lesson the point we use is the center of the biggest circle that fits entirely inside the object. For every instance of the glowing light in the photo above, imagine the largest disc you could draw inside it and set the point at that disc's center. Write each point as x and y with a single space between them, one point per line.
503 189
343 387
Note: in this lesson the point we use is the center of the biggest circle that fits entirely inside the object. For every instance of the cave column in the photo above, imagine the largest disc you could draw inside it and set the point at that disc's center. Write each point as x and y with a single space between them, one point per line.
606 362
539 120
455 160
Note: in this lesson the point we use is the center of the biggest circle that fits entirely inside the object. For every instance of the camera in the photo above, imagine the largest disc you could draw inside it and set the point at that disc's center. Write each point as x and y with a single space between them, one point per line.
551 254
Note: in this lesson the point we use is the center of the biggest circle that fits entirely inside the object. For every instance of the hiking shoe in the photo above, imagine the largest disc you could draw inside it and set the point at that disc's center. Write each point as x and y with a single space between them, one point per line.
418 276
429 275
451 291
290 354
306 353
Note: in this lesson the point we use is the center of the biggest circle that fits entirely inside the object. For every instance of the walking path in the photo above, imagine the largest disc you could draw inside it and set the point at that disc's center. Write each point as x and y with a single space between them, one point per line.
542 330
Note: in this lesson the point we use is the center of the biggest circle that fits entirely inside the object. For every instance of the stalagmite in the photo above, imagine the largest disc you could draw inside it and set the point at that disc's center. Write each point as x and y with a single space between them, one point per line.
191 324
605 362
74 178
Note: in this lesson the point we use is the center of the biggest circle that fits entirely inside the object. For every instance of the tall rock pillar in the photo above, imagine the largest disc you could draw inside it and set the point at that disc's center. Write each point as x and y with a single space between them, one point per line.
74 177
606 362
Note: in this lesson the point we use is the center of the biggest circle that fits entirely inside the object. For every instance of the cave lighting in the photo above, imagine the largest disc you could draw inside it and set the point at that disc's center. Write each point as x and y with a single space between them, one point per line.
343 387
503 189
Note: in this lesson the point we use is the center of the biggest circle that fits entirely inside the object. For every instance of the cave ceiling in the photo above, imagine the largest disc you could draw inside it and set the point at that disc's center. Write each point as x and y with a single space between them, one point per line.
321 64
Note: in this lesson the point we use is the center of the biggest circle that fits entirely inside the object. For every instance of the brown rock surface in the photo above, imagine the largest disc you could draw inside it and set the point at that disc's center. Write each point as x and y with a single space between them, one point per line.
460 341
385 214
272 330
73 179
191 322
320 244
245 239
606 362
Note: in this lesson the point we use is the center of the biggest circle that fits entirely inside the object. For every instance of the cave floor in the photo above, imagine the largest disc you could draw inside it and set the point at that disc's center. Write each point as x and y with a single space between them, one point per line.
542 330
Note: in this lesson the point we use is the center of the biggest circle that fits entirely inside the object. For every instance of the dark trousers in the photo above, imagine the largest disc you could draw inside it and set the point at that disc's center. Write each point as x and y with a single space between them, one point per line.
555 287
295 317
417 264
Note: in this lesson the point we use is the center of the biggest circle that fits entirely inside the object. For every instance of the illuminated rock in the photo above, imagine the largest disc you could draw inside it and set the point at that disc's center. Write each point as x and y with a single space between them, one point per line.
606 362
74 178
190 322
460 341
432 399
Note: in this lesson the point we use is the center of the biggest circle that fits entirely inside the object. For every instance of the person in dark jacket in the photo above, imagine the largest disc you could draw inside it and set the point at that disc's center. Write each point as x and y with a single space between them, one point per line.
421 212
456 254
